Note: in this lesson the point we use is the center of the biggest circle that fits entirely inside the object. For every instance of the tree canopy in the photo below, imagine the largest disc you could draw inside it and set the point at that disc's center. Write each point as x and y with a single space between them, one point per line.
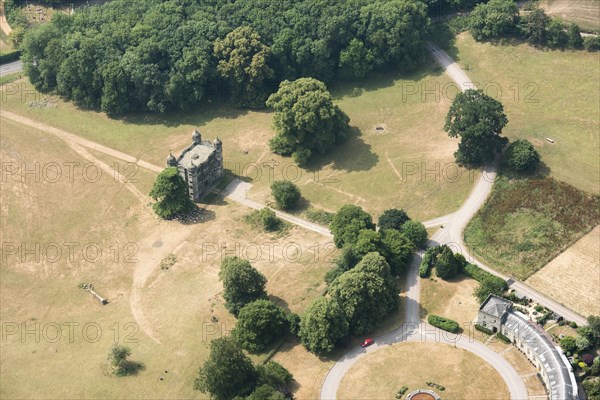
392 219
447 264
306 120
366 294
347 224
171 194
160 55
494 19
416 232
521 156
286 194
322 326
243 61
478 120
259 324
490 284
227 372
534 27
242 283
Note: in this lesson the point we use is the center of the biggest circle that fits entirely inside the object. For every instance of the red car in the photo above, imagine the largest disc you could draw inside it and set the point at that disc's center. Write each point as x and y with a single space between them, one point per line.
367 342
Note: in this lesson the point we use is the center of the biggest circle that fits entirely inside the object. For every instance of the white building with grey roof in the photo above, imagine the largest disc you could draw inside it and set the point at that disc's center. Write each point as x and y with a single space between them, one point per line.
497 315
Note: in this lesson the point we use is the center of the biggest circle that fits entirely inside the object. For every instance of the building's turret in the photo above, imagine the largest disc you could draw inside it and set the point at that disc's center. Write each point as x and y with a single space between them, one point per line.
196 137
171 160
218 147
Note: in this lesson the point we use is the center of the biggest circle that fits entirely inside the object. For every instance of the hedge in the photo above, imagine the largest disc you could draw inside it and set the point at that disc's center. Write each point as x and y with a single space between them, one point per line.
8 57
503 338
473 271
443 323
483 329
426 263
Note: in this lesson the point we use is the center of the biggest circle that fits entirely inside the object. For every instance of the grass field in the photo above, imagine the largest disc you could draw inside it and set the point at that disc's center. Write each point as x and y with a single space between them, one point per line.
172 306
533 221
452 299
408 164
545 94
585 13
573 278
379 375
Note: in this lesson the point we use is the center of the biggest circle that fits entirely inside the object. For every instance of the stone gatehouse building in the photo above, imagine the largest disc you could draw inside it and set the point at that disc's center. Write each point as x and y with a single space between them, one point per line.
497 314
200 165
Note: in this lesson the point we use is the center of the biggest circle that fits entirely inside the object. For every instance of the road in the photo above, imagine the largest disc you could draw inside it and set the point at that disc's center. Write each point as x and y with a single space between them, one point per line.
237 190
11 68
451 234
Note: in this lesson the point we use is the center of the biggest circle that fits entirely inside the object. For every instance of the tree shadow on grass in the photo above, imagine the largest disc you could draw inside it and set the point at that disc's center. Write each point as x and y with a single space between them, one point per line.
130 368
198 116
352 155
542 171
196 216
443 37
280 302
380 80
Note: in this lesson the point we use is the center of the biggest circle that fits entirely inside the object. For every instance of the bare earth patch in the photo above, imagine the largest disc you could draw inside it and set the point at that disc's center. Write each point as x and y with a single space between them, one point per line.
573 277
380 374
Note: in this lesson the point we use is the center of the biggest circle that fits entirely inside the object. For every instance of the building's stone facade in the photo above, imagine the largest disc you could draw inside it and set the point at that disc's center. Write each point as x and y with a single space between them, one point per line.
200 165
497 314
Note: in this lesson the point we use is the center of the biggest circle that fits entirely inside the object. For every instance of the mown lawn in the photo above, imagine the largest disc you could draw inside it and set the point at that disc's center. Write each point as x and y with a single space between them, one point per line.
546 94
409 164
526 223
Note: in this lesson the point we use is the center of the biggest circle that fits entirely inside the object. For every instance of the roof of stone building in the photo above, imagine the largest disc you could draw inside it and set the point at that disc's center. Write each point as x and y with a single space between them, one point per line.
560 376
496 306
195 155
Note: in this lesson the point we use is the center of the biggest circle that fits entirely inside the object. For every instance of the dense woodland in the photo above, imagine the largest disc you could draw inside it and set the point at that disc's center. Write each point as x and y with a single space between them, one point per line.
153 55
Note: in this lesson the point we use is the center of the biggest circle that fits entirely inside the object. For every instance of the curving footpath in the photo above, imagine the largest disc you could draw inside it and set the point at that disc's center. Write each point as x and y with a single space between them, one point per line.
413 329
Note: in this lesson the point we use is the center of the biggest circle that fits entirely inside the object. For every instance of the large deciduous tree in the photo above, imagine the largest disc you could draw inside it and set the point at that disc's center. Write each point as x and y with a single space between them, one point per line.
347 224
323 326
244 61
535 27
286 194
393 31
356 60
259 324
171 194
392 219
521 156
494 19
306 120
227 373
367 293
242 283
416 232
478 120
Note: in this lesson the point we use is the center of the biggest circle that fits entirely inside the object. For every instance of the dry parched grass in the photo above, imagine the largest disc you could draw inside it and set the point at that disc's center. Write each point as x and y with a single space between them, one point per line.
526 223
585 13
380 374
573 278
